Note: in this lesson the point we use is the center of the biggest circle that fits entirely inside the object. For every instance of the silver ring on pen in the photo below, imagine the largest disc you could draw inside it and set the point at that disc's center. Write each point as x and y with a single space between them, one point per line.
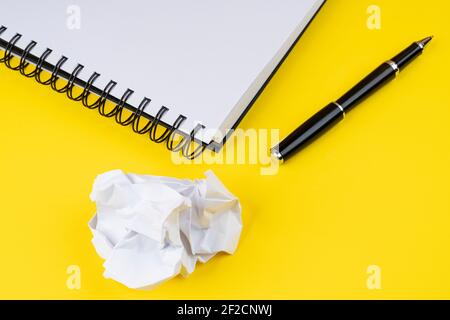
393 66
340 107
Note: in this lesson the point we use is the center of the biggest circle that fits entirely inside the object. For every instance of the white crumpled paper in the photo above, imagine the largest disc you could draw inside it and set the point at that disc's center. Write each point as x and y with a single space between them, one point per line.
150 228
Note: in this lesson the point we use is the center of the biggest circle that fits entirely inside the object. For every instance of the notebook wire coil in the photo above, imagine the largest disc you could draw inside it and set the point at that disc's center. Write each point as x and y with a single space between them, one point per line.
174 139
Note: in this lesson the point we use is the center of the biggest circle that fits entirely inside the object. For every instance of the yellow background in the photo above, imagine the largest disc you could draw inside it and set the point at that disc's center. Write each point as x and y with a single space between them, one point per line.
374 191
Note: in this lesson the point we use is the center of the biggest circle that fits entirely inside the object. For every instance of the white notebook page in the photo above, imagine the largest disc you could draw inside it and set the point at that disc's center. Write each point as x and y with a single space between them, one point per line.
205 59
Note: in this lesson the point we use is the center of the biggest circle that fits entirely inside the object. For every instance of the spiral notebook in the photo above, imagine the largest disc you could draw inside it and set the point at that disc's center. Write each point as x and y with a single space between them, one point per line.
191 66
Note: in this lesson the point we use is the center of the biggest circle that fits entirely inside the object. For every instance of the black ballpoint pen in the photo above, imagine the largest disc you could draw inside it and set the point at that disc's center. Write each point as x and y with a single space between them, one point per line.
335 111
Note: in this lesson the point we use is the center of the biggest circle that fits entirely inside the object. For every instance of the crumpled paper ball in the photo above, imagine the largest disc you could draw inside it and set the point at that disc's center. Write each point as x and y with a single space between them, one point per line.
150 228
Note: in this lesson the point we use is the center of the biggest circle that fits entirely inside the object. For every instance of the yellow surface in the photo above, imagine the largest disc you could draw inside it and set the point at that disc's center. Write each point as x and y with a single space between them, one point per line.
374 191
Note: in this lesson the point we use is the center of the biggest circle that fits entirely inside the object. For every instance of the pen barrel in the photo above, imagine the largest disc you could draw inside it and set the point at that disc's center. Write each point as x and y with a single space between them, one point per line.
309 130
407 55
376 79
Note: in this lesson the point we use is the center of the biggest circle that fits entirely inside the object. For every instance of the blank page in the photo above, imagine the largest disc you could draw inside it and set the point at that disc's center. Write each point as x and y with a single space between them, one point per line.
205 59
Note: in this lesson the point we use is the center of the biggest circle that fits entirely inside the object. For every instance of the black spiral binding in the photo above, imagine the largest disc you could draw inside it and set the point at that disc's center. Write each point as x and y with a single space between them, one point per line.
175 140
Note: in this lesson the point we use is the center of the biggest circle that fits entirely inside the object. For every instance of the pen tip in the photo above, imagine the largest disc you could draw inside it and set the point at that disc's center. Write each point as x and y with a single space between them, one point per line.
424 42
